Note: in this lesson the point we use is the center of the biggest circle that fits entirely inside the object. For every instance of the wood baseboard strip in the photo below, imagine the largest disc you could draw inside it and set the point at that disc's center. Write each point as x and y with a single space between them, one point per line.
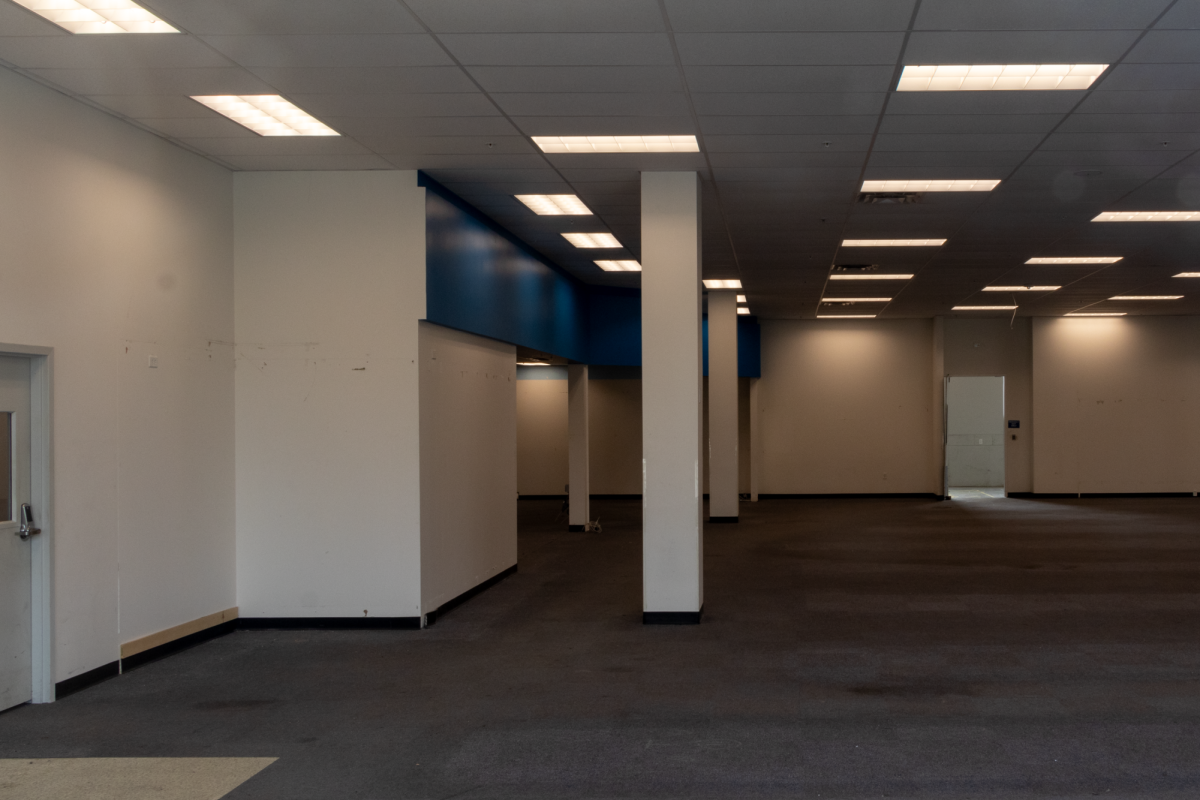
177 632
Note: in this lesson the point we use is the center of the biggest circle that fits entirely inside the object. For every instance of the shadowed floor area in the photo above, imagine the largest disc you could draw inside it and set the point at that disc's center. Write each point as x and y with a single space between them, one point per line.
997 648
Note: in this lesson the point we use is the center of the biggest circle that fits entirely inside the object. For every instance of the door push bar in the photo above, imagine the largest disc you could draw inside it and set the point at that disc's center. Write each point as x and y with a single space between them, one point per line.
26 530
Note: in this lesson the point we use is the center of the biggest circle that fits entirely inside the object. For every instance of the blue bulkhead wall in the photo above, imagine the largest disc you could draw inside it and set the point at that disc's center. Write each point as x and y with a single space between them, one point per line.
481 279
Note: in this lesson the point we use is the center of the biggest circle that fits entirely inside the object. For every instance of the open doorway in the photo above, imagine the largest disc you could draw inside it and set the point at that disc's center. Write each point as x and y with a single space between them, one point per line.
975 438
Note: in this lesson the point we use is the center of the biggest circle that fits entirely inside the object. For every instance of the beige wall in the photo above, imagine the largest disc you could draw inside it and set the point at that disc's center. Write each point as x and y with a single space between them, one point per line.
468 462
117 246
990 347
542 435
330 286
847 407
1117 402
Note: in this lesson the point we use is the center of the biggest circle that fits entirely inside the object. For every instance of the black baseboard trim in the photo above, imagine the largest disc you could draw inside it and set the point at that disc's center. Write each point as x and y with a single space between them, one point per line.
1020 495
577 528
856 496
86 680
434 615
175 645
671 617
328 623
1097 495
541 497
724 520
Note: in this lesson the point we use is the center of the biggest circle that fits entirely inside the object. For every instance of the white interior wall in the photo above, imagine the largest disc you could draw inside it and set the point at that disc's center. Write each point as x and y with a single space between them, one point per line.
847 407
982 347
116 246
542 466
1117 402
975 432
468 461
330 285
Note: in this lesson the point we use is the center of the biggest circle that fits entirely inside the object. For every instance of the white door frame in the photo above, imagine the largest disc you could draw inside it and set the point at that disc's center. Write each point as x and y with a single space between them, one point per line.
41 474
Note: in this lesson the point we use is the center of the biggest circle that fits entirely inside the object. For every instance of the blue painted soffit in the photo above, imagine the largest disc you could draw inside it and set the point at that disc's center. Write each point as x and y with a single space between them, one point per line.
482 279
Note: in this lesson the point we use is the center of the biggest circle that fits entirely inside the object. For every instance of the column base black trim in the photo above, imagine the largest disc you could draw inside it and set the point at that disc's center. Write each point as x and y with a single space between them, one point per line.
175 645
723 519
437 613
855 496
85 680
671 617
328 623
576 528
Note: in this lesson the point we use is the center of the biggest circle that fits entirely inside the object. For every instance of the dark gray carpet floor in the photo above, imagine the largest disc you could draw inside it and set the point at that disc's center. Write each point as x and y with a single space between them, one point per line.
849 649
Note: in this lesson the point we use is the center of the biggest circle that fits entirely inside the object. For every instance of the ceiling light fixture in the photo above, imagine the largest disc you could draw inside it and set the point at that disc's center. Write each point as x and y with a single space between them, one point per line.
1187 275
930 186
592 240
1147 297
1147 216
743 311
997 77
845 316
893 242
555 205
856 299
983 308
266 114
1076 260
1097 314
882 277
98 16
619 266
1020 288
741 298
720 283
617 144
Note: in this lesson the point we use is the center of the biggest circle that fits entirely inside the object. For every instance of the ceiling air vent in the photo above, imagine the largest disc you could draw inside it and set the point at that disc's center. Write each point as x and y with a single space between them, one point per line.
855 267
890 198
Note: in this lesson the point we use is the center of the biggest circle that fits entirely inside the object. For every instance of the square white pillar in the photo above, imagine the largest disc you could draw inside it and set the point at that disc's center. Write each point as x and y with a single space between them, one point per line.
722 407
672 517
577 446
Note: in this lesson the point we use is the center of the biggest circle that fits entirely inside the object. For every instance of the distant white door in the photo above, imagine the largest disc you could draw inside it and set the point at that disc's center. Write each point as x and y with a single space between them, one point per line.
975 432
16 596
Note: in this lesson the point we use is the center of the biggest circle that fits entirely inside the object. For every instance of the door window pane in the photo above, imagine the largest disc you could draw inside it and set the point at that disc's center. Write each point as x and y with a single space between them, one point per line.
6 460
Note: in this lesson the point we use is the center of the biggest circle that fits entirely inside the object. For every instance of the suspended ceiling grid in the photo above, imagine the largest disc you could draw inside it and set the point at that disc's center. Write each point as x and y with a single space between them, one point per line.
793 104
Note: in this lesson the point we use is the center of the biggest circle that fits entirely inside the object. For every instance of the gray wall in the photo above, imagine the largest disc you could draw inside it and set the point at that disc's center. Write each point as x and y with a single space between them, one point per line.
975 432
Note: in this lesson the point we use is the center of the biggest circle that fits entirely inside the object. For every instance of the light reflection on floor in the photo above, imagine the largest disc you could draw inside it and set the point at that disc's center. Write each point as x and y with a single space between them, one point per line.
976 492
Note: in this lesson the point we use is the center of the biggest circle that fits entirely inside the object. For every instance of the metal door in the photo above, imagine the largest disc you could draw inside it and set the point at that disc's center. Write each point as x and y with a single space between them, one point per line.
17 520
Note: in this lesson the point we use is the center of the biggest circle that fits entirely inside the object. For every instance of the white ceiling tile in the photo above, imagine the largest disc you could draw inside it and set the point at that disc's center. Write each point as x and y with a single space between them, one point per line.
1176 142
832 79
18 21
1151 77
768 104
472 146
213 125
1141 102
108 52
663 78
1036 15
982 102
365 80
1184 14
249 17
1166 47
1018 47
566 49
1002 160
665 162
333 50
428 161
778 49
779 126
788 159
820 144
593 104
533 16
948 142
254 145
225 80
422 126
153 106
268 163
969 123
787 15
604 126
382 106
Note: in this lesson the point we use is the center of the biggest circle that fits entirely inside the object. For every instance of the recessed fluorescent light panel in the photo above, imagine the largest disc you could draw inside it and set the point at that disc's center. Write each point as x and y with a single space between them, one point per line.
856 300
983 308
1147 297
741 298
1021 288
1076 260
1147 216
929 186
722 284
1187 275
845 316
743 310
619 266
893 242
532 364
997 77
555 205
266 114
592 240
98 16
1098 314
617 144
881 277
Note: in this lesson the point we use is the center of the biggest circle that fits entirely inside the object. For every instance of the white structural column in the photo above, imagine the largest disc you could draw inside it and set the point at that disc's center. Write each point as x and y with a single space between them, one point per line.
577 446
722 407
672 517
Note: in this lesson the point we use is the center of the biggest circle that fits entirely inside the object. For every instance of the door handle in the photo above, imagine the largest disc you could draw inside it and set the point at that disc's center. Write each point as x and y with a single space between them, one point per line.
26 530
